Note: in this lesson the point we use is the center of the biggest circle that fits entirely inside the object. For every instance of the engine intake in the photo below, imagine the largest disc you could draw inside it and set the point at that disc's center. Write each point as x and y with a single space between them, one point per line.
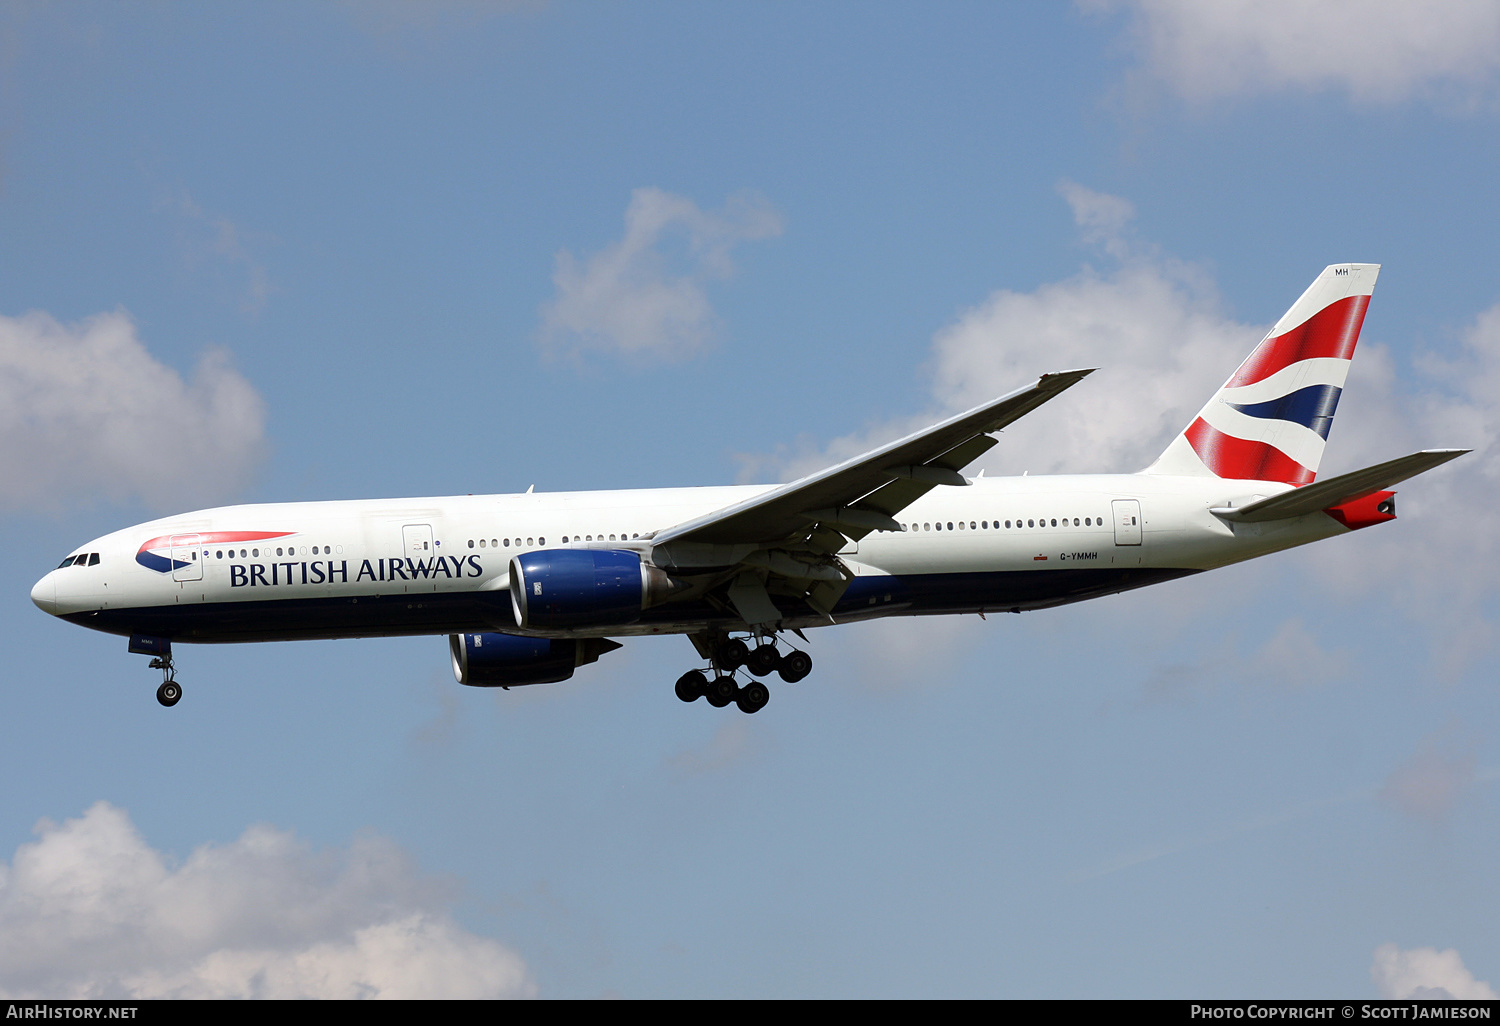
566 588
508 660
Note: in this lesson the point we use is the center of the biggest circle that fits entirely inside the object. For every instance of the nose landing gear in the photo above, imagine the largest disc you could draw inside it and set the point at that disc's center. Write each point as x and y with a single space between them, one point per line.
170 692
160 649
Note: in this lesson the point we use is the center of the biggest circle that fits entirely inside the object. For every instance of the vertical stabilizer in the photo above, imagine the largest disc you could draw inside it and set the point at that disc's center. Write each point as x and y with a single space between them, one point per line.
1270 421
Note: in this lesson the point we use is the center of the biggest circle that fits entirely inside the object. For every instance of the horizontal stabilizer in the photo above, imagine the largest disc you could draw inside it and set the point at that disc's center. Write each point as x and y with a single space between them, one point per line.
1338 490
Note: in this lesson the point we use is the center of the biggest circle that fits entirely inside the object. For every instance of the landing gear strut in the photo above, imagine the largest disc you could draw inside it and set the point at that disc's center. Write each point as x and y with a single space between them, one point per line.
160 649
729 655
170 691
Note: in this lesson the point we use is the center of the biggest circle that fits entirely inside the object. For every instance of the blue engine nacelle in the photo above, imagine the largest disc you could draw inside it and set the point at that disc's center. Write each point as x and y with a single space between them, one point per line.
555 589
507 660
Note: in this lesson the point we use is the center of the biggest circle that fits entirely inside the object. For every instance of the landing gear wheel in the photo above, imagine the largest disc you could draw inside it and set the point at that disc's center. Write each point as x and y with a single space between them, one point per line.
763 660
732 654
691 686
794 666
722 691
753 697
169 693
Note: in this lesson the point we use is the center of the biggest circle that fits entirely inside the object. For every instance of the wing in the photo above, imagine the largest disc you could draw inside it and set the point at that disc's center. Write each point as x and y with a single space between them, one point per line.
789 534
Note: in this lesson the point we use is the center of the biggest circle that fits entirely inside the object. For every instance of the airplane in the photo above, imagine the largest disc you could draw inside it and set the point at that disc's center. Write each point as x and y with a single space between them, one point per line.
528 587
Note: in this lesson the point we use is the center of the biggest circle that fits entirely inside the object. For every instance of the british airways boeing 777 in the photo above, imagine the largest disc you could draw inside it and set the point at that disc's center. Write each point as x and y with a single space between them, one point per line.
529 587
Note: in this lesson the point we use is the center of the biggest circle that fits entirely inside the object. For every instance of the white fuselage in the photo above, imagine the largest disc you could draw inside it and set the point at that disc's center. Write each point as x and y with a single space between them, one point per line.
441 565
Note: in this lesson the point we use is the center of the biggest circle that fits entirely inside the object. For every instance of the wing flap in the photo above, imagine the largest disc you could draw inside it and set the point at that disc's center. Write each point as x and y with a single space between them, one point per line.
917 481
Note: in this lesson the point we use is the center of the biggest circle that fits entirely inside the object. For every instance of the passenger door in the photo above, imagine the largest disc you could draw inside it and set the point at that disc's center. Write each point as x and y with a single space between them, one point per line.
1127 521
187 564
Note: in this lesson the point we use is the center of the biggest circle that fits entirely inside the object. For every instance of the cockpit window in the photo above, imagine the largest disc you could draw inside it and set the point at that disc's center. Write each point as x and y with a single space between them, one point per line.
81 559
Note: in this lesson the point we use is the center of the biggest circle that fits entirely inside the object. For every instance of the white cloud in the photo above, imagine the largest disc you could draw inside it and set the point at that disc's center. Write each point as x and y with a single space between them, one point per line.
1430 783
645 295
1290 659
1152 326
87 412
1376 50
206 237
1426 974
1156 329
731 743
1239 827
1441 565
1102 217
910 651
90 911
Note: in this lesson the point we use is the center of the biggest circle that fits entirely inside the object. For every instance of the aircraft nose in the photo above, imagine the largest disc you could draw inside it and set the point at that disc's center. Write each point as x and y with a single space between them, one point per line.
44 594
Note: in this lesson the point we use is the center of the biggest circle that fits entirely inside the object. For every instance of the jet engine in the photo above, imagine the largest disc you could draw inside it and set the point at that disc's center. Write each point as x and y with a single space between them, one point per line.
568 588
507 660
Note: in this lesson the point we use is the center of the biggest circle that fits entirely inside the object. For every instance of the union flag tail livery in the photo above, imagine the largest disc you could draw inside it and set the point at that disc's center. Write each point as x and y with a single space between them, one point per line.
530 587
1270 421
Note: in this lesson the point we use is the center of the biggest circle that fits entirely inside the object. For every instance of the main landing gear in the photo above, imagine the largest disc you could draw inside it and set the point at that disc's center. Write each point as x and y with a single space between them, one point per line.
730 656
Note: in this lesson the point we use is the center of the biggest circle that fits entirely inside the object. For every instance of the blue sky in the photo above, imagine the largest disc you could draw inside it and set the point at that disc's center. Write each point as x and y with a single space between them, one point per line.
293 251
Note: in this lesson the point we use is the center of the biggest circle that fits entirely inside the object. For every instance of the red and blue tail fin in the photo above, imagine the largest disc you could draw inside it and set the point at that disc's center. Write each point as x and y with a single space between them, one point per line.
1270 421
